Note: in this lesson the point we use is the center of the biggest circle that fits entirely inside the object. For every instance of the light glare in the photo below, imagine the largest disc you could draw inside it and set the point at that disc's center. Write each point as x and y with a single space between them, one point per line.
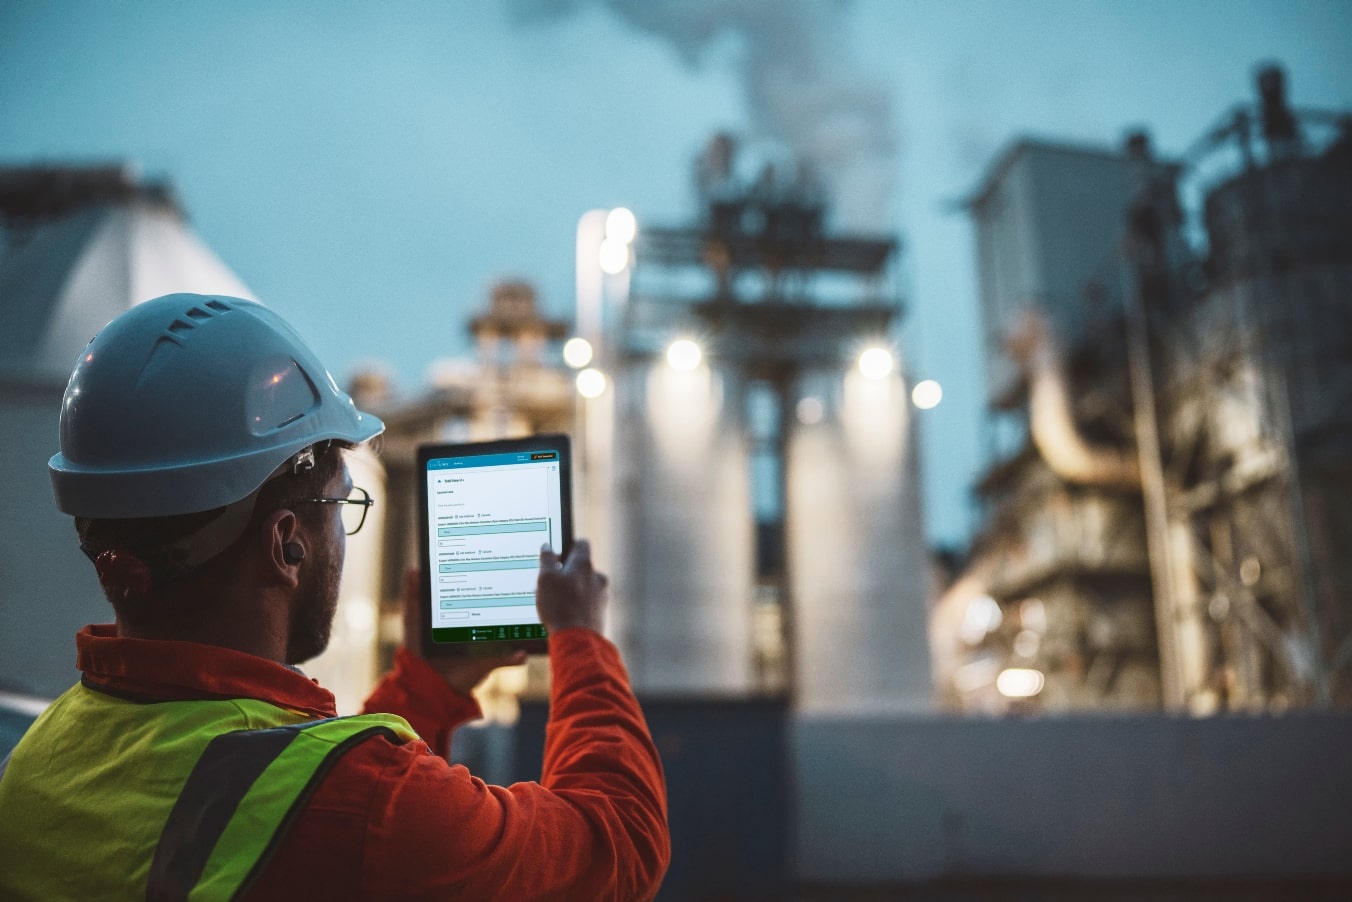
683 355
613 256
577 352
591 383
1020 682
621 225
927 394
875 363
983 615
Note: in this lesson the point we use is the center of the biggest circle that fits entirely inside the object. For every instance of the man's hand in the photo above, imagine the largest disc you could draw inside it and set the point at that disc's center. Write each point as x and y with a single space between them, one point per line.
461 674
571 594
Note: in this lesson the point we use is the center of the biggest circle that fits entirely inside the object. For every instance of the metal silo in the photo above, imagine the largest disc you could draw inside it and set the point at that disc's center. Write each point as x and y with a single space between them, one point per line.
856 550
683 566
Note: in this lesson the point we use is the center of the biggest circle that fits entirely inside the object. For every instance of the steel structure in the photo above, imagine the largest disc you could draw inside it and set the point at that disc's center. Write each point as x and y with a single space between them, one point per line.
1240 343
752 469
771 250
1204 395
1057 597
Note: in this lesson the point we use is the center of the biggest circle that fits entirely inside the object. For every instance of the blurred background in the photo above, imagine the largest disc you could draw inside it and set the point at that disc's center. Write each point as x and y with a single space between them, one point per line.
960 393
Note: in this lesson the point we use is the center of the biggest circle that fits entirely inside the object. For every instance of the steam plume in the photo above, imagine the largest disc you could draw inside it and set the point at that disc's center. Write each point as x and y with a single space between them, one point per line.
803 89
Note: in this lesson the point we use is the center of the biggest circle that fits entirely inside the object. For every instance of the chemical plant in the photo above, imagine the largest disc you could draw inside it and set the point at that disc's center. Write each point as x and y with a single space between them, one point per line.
756 471
1158 590
1171 425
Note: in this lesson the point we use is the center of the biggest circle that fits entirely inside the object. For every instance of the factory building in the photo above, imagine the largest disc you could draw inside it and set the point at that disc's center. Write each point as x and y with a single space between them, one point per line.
751 491
759 483
1169 392
1248 482
80 245
1059 593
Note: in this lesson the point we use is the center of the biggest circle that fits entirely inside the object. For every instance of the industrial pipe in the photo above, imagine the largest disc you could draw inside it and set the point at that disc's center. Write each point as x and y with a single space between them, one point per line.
1031 344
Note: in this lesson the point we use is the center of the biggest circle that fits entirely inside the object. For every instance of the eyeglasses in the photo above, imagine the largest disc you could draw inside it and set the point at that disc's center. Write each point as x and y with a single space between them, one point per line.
354 508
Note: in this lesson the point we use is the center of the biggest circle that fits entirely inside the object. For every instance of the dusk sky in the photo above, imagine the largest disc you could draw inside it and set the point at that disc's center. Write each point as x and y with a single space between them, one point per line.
370 169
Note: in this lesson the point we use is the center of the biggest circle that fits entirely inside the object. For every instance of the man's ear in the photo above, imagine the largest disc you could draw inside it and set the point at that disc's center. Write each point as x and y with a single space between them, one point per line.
284 546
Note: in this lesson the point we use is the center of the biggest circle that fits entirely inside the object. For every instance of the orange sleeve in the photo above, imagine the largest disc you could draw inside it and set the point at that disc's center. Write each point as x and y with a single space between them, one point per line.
417 693
594 828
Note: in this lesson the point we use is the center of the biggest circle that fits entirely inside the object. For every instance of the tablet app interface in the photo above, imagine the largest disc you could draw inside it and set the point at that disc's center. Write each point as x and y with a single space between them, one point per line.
488 515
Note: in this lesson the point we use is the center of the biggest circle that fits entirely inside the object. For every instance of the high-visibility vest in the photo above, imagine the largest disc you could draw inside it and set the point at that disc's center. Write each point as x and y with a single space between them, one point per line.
106 798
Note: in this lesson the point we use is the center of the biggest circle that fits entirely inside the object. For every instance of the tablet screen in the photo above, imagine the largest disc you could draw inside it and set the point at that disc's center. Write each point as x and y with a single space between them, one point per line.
489 508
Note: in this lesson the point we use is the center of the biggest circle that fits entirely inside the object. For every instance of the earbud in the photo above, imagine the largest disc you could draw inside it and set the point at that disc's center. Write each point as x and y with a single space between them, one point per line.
293 552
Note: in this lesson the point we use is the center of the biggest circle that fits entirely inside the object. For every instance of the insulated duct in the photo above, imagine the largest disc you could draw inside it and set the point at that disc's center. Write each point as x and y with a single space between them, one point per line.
1052 424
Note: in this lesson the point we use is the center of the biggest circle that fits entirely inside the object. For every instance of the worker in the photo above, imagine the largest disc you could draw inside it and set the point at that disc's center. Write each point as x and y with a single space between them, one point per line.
202 457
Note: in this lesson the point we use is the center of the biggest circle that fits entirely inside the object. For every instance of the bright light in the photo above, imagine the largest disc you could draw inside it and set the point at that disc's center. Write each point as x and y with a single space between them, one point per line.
927 394
591 383
1019 682
683 355
810 411
577 352
875 363
983 615
613 256
621 225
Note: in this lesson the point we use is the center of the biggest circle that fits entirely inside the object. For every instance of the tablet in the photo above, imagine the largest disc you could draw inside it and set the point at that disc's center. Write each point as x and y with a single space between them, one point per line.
487 508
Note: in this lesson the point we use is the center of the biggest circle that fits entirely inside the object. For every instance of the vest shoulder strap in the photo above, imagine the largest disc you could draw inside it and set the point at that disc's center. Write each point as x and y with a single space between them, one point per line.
241 798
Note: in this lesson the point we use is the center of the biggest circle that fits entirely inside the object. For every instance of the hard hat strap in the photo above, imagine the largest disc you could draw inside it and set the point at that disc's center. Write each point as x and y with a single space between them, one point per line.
217 535
127 573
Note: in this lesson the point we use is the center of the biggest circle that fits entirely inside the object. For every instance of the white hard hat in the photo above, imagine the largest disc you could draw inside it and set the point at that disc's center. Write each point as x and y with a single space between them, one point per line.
190 402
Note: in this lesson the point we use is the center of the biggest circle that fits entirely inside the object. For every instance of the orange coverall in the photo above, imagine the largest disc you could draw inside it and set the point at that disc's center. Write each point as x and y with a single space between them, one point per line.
398 821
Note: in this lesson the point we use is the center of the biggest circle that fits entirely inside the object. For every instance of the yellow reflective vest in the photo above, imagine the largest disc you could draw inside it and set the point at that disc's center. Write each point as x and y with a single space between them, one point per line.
106 798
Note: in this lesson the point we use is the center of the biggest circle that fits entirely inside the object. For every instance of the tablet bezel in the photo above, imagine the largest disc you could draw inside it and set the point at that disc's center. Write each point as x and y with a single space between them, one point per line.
559 442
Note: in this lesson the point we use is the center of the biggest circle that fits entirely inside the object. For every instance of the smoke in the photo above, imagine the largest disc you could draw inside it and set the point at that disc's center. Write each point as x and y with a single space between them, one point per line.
802 87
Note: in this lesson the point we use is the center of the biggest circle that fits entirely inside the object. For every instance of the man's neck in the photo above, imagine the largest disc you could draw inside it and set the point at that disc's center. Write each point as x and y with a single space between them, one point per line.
249 625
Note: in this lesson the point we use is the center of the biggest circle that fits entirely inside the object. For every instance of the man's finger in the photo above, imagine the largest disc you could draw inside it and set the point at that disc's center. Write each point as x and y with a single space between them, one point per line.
548 559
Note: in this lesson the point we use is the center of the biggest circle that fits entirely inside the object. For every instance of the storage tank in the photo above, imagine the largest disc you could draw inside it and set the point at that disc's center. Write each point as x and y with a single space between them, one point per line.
682 528
856 548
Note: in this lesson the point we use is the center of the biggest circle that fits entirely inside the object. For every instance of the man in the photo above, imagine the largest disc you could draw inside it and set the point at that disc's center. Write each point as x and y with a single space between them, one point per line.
202 458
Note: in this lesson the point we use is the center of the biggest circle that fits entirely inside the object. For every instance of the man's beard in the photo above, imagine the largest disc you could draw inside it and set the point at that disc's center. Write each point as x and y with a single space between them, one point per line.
316 604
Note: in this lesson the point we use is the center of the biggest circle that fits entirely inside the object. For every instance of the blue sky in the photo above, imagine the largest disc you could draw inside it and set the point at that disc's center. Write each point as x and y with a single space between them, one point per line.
369 169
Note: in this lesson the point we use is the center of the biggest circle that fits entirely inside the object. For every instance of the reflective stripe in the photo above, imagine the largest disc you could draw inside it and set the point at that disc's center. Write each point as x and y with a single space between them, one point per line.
241 798
225 772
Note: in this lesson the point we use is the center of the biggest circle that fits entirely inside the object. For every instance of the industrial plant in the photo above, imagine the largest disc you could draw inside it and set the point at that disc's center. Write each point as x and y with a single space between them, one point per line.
759 482
1092 694
1169 391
